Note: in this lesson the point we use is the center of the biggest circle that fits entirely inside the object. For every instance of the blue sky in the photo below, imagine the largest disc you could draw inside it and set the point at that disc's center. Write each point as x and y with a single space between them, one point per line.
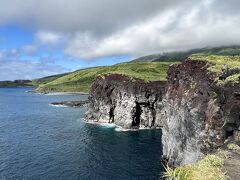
41 38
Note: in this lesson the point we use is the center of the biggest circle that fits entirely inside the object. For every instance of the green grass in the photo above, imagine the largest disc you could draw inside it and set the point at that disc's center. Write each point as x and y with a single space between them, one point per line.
234 147
220 64
208 168
47 79
81 81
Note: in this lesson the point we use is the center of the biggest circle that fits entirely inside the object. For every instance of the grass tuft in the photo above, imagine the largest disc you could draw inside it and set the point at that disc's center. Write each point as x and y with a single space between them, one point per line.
208 168
234 147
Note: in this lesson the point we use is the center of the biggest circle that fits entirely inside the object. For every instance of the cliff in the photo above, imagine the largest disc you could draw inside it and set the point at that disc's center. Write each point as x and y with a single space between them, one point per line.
199 112
127 102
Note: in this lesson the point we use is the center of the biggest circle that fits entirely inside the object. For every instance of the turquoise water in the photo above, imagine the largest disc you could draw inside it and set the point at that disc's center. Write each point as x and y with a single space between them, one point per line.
38 141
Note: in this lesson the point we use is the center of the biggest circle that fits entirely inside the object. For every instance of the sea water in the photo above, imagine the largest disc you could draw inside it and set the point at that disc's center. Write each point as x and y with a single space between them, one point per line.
42 142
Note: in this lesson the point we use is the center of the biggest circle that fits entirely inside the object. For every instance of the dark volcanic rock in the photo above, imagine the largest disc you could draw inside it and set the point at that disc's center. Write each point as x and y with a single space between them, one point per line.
69 103
125 101
199 115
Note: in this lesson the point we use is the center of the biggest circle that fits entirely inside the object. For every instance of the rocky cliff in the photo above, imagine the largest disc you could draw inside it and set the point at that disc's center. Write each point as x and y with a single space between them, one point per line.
198 107
127 102
199 114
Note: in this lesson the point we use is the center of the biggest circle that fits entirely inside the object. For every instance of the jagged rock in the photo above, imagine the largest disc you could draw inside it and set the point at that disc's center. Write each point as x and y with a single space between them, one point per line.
198 115
125 101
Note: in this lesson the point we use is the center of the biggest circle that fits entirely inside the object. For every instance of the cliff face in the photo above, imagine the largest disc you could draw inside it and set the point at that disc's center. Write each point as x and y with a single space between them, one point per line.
198 115
127 102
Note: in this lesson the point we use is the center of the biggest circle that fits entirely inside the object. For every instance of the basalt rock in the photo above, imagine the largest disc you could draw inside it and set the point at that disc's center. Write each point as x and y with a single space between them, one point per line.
199 115
127 102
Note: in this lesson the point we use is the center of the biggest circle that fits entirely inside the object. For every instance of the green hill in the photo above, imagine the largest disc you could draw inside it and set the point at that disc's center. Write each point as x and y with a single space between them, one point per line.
80 81
181 55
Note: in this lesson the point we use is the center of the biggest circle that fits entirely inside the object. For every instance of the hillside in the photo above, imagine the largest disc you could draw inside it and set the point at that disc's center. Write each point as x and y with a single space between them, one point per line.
181 55
81 80
47 79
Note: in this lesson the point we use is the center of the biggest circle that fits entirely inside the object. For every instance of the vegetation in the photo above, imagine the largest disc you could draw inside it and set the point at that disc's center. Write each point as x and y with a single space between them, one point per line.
221 64
208 168
82 80
233 147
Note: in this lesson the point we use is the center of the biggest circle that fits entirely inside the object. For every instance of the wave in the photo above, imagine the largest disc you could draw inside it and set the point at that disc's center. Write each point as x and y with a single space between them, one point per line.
57 105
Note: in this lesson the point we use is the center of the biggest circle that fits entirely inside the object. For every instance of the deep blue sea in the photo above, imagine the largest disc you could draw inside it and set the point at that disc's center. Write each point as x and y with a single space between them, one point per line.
42 142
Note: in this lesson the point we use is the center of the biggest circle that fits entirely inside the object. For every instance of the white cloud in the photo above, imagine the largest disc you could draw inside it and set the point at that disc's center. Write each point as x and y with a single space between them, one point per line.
93 29
175 29
44 37
12 66
18 69
29 49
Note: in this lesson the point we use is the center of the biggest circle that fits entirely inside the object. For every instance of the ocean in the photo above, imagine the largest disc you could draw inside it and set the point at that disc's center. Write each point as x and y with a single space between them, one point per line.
42 142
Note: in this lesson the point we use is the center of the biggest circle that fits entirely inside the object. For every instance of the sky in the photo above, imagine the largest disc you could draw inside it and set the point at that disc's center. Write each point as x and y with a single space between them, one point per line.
41 38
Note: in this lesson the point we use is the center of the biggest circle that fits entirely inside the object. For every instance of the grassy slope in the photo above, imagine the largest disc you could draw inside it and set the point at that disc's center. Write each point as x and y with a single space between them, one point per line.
220 64
81 80
47 79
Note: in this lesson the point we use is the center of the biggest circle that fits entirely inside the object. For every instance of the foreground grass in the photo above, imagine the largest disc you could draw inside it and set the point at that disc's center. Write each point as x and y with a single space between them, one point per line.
81 81
208 168
221 64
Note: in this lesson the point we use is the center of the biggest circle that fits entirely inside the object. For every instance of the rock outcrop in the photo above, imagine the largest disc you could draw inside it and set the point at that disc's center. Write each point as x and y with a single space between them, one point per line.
199 115
127 102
